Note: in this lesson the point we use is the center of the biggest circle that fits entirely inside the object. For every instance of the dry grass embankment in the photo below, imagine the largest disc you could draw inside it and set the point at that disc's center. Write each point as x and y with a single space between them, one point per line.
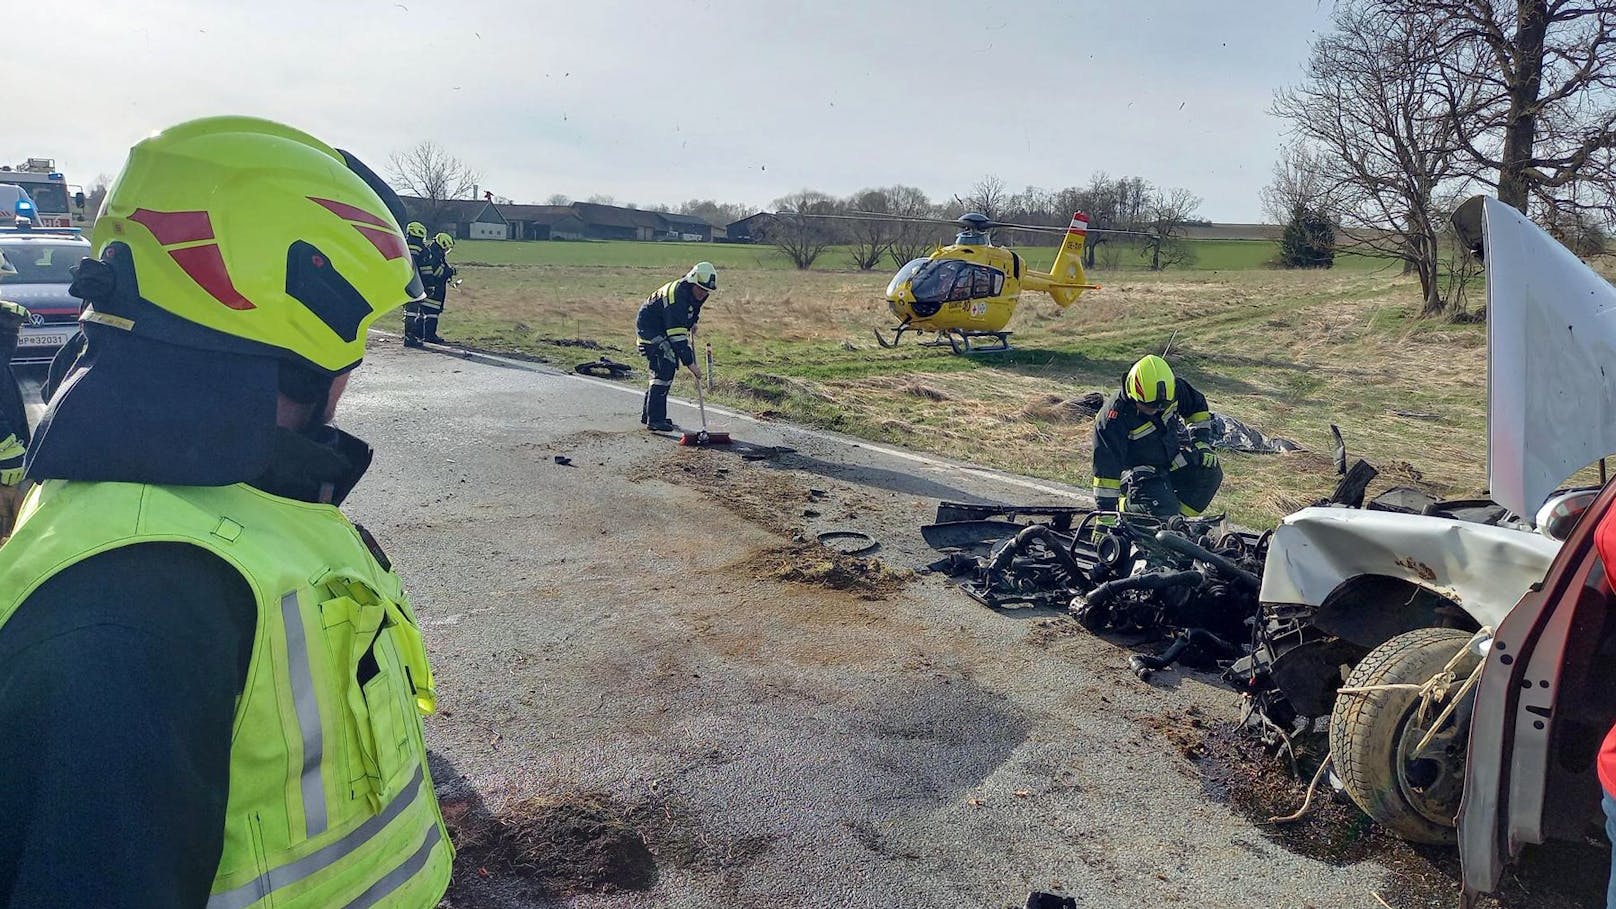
1288 352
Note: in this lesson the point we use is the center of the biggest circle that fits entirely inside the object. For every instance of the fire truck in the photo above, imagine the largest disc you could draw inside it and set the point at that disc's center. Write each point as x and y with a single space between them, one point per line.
56 203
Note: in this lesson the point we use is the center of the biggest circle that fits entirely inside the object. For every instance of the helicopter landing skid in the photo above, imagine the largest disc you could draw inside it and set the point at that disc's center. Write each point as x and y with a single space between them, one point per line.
961 340
957 339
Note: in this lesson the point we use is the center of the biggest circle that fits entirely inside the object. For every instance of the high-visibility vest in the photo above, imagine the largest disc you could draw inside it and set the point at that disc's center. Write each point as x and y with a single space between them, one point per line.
330 801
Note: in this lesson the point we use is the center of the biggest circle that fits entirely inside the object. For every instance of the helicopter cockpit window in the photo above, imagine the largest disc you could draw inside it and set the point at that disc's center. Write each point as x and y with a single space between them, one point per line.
948 280
934 281
904 274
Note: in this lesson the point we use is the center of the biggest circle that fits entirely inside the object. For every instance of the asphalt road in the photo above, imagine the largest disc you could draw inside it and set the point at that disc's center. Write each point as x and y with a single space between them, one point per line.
614 626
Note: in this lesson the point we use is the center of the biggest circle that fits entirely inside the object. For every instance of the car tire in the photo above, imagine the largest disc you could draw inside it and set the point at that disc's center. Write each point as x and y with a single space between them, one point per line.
1373 733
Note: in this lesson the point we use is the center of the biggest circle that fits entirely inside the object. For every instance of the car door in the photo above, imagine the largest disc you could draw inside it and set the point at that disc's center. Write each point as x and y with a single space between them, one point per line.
1546 697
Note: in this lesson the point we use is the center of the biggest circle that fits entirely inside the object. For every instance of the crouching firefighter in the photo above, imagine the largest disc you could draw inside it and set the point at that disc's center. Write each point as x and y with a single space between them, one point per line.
211 682
1137 437
664 325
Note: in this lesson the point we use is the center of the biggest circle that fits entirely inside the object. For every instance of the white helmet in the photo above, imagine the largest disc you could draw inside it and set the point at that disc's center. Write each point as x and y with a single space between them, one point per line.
703 274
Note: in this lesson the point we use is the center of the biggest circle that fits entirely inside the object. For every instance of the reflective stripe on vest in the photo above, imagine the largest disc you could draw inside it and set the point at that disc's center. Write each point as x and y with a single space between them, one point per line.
307 705
330 803
286 875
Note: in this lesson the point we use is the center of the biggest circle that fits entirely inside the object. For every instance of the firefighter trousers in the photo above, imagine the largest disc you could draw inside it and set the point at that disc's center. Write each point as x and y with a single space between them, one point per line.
662 365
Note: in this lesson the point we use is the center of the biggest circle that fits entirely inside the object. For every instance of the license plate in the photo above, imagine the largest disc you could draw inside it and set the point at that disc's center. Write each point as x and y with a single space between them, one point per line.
32 340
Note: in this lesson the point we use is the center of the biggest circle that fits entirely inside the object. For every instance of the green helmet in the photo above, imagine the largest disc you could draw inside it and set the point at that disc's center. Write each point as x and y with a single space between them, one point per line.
1151 381
258 233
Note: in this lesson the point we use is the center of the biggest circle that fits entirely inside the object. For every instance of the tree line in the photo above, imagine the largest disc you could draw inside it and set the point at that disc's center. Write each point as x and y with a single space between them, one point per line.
899 223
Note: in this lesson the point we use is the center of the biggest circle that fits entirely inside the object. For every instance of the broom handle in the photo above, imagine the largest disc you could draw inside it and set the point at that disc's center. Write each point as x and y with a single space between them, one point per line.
701 405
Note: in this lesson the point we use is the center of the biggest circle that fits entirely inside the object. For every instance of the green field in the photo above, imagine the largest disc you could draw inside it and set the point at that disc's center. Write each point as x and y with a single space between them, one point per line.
1289 352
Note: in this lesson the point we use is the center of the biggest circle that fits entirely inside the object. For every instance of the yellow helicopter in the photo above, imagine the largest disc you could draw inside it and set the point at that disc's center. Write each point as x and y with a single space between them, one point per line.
967 291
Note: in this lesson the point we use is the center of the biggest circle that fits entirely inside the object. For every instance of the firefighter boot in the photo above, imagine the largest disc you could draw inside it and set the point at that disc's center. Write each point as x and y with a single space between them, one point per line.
431 329
412 328
656 409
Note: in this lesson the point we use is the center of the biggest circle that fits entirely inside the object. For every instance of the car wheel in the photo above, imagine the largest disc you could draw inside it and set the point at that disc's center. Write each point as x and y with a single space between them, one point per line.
1373 737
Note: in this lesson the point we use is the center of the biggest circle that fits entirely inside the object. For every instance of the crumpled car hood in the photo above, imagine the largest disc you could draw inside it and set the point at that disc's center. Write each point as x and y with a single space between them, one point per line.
1484 569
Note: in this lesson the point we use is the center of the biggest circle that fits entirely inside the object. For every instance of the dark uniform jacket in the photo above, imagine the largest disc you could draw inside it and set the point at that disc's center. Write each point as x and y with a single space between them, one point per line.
1124 437
668 318
435 271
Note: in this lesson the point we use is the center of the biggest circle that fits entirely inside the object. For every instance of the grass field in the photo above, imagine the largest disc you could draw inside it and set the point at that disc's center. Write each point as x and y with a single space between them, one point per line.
1288 352
1210 255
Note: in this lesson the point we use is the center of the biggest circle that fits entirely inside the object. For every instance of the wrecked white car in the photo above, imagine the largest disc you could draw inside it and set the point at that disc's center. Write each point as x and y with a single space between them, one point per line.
1379 620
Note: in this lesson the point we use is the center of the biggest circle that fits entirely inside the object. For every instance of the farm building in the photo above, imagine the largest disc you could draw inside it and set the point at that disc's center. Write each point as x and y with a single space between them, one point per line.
749 229
475 219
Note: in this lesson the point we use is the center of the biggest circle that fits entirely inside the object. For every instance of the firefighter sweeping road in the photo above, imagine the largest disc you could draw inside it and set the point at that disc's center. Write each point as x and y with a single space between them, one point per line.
632 631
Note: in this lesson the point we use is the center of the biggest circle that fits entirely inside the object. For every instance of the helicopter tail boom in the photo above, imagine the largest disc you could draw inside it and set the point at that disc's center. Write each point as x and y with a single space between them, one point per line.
1066 275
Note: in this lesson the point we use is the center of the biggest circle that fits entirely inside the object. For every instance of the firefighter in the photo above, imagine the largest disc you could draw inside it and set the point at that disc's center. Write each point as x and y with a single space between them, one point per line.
13 416
437 273
210 680
665 324
415 235
1137 436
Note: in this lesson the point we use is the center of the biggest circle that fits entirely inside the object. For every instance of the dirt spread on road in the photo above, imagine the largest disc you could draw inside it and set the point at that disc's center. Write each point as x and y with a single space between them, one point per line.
568 844
815 565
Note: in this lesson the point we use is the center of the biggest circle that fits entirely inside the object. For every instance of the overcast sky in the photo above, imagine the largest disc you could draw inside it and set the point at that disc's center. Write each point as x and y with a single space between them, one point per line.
659 101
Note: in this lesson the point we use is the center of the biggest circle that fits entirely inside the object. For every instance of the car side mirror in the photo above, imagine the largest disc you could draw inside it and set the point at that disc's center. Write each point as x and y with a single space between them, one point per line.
78 199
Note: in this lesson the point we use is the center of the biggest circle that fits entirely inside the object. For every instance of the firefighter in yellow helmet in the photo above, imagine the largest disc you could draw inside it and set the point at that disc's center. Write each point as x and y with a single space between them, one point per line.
436 276
1153 438
420 255
664 325
210 681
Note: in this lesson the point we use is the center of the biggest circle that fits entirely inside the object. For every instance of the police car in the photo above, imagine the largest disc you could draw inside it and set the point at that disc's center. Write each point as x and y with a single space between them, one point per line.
36 273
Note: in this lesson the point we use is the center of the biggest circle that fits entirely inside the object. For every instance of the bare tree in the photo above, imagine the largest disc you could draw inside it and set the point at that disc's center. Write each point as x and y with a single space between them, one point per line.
716 213
603 199
427 171
988 196
868 241
1530 87
558 199
912 239
796 232
1169 213
1370 102
1302 180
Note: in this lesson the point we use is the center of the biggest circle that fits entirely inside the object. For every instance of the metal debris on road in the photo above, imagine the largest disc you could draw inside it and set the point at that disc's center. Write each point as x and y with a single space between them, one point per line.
848 542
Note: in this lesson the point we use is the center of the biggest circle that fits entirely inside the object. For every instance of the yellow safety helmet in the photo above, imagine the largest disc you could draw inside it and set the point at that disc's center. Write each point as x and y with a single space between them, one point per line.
416 229
245 235
444 240
1151 381
703 274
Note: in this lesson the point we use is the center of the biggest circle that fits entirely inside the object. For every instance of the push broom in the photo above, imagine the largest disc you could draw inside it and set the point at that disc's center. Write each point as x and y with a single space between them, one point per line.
704 437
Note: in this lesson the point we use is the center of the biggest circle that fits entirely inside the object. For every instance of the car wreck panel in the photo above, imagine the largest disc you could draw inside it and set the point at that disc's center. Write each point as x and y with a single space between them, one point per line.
1483 569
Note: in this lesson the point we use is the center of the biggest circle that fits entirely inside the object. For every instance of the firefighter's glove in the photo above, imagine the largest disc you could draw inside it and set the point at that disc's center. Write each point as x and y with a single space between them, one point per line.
11 458
1202 455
